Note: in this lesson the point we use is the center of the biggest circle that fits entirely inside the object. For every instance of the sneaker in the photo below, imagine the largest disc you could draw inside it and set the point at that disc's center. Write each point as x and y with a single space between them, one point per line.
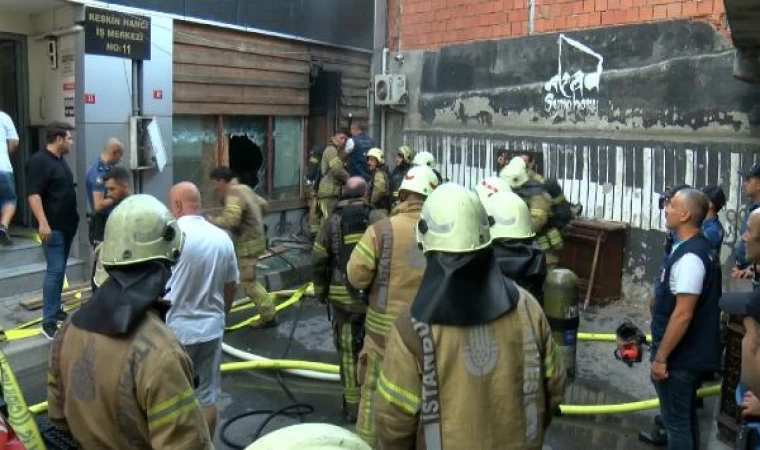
61 316
49 329
5 236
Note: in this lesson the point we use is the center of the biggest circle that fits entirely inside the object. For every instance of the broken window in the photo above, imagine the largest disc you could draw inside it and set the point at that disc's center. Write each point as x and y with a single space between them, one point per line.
247 138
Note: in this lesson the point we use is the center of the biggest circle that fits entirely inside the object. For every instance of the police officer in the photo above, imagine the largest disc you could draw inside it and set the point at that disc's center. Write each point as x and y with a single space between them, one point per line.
243 215
334 174
539 201
378 194
117 376
711 226
427 159
332 248
95 185
513 242
403 163
472 338
387 263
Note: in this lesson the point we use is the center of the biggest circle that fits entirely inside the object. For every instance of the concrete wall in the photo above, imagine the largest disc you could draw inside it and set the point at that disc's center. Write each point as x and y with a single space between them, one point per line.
13 22
616 114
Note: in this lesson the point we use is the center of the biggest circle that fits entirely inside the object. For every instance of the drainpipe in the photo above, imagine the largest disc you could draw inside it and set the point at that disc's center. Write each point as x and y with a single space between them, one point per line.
384 70
531 15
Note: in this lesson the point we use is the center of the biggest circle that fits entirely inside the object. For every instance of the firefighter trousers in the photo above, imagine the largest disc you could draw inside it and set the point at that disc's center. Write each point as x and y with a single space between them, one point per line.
326 206
253 289
348 335
370 365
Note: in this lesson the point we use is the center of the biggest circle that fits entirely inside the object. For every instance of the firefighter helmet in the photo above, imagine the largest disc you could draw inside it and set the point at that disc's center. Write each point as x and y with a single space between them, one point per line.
489 186
311 436
511 216
377 154
424 159
406 153
419 179
140 229
453 220
515 173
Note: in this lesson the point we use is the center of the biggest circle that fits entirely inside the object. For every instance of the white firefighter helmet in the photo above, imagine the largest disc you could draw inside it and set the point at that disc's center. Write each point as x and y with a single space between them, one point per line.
453 220
424 159
489 186
310 436
140 229
406 153
419 179
511 216
515 174
377 154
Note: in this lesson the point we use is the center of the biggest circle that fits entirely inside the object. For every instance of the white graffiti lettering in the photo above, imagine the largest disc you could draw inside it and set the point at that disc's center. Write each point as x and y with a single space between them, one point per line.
573 92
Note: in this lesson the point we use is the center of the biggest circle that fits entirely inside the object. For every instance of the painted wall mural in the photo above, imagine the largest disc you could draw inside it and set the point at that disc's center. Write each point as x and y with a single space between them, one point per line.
574 89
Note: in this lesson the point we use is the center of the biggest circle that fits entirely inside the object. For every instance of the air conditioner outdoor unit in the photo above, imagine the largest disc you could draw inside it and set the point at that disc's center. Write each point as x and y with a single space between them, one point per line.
390 90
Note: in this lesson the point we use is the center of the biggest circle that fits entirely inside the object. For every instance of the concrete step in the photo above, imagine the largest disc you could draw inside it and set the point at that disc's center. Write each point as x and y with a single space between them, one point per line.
22 252
16 280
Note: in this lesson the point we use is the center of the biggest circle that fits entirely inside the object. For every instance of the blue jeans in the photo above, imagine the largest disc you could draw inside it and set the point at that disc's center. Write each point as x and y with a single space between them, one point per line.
56 251
7 189
678 406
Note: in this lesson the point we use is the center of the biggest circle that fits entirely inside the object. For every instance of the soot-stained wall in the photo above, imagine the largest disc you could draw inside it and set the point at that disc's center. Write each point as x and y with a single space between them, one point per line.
616 114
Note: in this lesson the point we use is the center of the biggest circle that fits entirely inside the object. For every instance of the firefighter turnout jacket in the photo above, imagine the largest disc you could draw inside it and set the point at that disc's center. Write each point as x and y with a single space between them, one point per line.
548 238
243 215
388 263
436 378
127 392
332 250
378 192
334 174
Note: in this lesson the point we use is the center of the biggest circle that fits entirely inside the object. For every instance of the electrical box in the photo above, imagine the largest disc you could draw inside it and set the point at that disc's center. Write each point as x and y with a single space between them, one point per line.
390 90
146 145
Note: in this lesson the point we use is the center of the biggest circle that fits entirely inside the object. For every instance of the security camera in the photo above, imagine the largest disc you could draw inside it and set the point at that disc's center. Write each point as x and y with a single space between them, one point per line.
399 57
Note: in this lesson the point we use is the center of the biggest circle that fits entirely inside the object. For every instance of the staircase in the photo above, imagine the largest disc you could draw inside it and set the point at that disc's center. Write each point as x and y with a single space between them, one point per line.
22 269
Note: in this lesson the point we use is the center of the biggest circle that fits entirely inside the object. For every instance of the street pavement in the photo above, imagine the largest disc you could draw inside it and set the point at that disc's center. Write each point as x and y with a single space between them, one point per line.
600 380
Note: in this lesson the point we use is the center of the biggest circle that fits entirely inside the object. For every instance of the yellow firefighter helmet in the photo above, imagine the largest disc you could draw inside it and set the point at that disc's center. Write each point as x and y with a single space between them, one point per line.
453 220
511 216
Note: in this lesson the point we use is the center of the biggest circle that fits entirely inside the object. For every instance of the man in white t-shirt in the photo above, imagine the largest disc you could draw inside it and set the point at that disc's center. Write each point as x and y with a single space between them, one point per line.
8 144
201 289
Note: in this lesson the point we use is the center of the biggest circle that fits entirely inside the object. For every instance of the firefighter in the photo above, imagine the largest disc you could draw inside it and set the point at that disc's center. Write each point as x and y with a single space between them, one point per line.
118 378
378 194
243 215
548 238
403 163
514 242
387 263
471 337
332 248
427 159
489 186
333 174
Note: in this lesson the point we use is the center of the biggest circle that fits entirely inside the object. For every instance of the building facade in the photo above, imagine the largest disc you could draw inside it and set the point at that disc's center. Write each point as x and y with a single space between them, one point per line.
185 90
617 99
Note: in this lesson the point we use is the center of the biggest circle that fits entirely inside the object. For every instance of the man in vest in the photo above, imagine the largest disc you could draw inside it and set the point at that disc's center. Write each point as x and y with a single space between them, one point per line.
539 201
117 376
403 163
332 248
685 319
514 242
471 337
243 215
388 264
334 174
378 194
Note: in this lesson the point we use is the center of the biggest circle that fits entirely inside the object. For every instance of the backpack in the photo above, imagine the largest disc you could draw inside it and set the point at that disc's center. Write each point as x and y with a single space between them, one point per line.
313 171
563 212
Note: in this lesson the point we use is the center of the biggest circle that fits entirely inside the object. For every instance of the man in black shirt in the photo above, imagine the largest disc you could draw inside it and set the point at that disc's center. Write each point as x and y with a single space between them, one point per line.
53 200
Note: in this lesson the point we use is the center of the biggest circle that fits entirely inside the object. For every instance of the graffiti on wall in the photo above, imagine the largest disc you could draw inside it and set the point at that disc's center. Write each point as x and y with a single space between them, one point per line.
612 180
574 91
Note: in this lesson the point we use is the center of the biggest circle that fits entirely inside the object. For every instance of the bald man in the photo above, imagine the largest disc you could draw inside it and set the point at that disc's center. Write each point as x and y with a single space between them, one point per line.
685 319
201 290
97 200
